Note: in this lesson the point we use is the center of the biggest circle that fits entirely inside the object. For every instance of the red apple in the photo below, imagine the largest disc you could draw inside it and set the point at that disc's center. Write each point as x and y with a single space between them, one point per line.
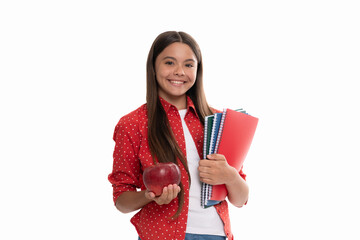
160 175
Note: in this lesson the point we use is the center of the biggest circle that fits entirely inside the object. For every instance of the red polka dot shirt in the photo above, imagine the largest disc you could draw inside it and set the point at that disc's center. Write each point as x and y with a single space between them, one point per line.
132 155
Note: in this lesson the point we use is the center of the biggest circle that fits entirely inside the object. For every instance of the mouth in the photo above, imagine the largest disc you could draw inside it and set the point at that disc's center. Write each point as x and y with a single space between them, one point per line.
176 82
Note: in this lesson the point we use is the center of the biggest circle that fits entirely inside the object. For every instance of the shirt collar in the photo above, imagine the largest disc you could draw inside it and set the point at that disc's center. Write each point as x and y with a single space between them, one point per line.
189 105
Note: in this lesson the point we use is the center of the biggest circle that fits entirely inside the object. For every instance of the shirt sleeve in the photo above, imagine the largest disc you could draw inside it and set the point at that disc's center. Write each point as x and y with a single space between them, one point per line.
125 175
242 174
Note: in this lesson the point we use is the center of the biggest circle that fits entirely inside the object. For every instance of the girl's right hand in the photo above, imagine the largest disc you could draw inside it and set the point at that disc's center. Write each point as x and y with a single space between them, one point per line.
169 193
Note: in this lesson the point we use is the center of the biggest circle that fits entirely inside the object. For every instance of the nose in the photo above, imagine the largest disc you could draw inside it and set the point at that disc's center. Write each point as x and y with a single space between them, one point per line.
179 71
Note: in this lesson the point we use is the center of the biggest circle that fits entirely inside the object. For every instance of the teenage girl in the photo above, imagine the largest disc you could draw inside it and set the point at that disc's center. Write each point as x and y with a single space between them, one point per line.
169 128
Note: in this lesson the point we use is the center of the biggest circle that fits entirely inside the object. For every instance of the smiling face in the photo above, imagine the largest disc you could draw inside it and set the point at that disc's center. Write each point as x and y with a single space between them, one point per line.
175 69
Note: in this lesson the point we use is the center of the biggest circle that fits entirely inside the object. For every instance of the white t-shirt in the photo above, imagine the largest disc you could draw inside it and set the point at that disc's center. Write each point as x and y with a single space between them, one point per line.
200 220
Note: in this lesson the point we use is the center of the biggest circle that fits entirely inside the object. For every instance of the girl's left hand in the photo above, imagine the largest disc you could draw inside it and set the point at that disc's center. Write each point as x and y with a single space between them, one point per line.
215 170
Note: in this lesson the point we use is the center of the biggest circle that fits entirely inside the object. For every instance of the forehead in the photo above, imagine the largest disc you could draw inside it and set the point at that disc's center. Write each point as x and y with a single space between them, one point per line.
180 51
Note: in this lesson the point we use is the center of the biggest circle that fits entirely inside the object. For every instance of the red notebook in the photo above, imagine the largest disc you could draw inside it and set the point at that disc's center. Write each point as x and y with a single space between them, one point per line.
236 133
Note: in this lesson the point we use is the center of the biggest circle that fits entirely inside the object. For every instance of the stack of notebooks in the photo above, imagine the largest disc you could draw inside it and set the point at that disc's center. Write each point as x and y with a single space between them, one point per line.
229 133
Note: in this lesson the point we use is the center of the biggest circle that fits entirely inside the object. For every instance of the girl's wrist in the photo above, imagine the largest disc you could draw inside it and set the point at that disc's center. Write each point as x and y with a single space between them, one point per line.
233 175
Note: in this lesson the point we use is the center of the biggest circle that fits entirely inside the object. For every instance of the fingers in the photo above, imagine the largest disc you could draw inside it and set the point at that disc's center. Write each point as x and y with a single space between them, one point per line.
208 181
169 193
149 195
205 175
213 160
216 156
206 167
213 169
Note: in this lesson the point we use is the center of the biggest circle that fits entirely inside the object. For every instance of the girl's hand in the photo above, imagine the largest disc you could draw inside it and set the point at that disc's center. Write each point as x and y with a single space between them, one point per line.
215 170
169 193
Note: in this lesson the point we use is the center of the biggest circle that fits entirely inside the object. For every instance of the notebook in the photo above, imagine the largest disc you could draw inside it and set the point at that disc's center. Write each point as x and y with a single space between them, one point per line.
232 132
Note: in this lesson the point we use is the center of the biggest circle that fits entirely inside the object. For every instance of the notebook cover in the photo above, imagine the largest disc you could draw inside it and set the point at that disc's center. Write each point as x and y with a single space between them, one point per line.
236 135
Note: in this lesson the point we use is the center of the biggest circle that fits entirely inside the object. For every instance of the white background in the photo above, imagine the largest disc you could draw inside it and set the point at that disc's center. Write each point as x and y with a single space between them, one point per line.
70 69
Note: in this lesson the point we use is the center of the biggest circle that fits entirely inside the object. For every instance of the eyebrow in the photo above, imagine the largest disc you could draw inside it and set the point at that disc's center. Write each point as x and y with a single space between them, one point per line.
187 60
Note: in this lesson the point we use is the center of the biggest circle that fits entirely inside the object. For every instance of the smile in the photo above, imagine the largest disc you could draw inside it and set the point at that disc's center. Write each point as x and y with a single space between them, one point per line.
176 82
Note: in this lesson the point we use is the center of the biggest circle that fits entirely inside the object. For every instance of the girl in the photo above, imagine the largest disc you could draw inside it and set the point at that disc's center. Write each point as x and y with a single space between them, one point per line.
169 128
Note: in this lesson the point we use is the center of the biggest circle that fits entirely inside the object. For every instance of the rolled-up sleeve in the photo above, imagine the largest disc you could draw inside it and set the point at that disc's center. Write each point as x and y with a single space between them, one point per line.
125 175
242 174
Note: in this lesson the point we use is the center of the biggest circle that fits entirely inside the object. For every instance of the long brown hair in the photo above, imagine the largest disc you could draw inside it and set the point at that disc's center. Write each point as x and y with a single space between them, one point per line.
162 143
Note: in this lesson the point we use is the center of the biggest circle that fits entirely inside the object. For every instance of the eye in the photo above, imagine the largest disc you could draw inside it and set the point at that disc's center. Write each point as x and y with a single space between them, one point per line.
169 63
189 65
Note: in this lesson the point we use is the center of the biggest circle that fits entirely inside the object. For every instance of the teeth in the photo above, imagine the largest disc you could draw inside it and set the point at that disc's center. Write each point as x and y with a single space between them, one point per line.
177 82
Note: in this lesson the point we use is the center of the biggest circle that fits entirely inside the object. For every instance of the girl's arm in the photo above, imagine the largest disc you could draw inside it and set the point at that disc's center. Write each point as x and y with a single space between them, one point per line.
131 201
215 170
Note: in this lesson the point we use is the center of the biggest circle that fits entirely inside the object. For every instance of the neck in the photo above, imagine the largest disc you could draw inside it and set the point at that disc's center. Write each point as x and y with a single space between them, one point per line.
178 102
